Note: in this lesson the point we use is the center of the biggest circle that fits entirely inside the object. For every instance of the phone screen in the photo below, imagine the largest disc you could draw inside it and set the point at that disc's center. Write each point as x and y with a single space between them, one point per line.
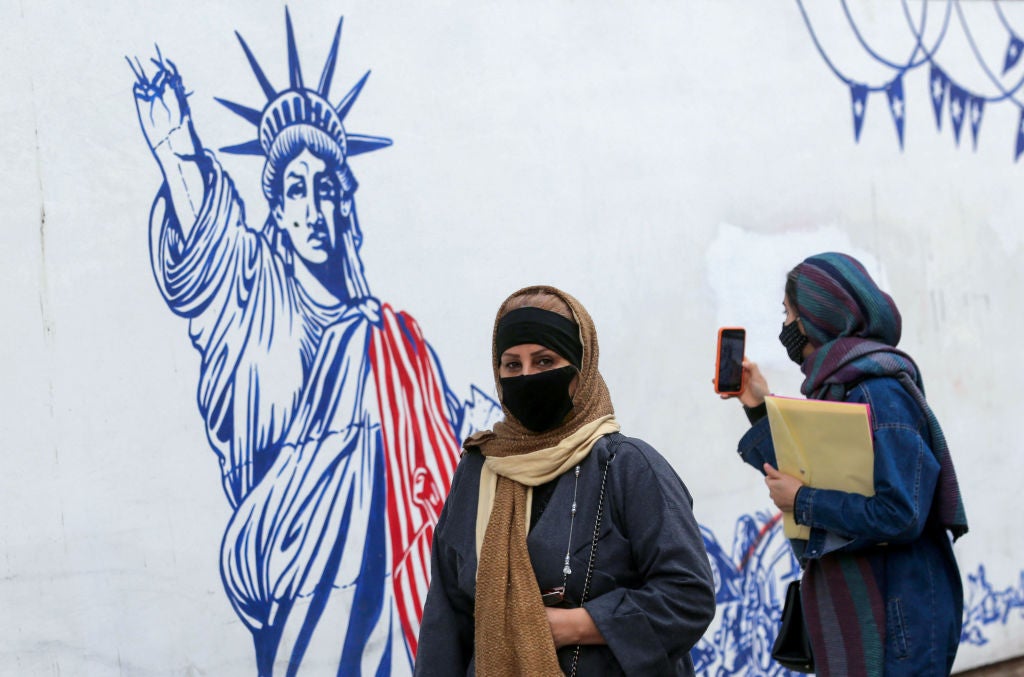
730 360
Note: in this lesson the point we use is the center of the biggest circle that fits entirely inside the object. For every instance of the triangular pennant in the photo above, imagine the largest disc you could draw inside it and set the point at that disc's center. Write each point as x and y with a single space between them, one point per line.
894 92
859 104
976 109
1013 52
957 103
937 84
1020 136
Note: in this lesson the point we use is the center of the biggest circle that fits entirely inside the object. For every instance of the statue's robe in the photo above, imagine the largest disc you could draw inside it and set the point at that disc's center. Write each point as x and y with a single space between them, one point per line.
333 425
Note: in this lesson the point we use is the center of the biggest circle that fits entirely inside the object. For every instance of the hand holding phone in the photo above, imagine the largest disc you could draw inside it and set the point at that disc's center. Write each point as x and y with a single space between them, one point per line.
729 363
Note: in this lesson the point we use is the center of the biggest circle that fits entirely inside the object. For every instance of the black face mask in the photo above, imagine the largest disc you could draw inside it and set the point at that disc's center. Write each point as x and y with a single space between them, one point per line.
793 341
540 401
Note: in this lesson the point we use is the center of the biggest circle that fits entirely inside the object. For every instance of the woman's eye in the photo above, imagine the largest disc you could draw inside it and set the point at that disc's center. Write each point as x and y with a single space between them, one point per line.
510 366
545 362
296 190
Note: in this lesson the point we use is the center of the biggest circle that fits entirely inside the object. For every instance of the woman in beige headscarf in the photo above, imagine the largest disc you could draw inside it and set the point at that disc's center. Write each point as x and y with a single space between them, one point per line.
563 546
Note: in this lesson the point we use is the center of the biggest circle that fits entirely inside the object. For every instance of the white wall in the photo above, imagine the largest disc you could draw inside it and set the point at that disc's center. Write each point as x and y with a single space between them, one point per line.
664 162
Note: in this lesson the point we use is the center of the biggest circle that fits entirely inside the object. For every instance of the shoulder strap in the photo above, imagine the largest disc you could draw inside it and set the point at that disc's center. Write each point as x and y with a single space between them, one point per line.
593 551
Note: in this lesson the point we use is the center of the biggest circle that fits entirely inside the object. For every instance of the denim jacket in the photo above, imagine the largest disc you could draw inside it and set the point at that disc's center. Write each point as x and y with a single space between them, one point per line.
905 471
892 531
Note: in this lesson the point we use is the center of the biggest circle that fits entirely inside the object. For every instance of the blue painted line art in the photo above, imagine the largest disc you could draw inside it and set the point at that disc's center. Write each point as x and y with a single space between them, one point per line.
334 426
336 431
950 96
750 585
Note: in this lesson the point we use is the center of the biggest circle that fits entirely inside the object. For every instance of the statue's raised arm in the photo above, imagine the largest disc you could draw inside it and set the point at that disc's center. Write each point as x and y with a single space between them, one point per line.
162 106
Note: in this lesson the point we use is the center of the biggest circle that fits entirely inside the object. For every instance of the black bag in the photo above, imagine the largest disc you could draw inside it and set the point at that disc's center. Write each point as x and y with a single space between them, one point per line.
792 648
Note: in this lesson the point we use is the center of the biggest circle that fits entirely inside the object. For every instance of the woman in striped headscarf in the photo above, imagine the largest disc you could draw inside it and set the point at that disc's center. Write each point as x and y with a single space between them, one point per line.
881 589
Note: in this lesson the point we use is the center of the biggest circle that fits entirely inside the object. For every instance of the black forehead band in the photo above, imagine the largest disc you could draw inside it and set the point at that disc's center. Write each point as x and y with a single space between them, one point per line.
543 327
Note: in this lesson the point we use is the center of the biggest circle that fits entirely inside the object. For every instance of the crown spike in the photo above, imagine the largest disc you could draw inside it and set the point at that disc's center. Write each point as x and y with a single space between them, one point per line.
250 114
294 70
332 59
268 89
346 104
296 104
248 148
361 143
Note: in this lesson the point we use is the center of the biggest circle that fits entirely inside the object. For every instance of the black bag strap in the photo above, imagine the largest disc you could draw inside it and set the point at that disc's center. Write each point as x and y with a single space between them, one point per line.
593 555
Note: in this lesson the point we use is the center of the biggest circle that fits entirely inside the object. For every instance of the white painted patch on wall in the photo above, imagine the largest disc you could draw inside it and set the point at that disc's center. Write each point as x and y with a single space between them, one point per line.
747 273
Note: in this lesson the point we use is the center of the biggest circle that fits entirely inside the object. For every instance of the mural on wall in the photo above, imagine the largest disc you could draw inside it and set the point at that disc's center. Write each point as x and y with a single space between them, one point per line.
750 589
336 431
334 426
945 88
984 605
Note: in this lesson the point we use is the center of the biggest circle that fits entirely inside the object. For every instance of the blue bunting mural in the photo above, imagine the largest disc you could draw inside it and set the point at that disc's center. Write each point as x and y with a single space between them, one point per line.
948 93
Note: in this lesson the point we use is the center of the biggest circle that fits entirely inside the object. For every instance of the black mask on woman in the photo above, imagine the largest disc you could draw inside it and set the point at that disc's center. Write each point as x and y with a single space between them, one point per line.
793 341
540 401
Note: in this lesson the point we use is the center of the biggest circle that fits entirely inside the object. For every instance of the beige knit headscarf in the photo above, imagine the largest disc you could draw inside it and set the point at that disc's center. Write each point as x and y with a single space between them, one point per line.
512 633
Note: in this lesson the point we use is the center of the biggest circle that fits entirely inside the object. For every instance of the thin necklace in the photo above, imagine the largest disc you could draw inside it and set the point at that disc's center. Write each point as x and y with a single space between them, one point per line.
556 596
566 569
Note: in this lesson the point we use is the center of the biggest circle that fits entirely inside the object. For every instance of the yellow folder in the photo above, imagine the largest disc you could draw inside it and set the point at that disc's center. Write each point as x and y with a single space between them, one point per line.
825 444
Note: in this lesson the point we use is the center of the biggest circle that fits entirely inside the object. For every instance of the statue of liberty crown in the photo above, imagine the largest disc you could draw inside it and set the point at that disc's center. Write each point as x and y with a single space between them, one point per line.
300 105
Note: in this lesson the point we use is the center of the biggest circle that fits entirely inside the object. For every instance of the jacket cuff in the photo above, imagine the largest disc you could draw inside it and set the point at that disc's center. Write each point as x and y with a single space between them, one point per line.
755 414
803 505
628 632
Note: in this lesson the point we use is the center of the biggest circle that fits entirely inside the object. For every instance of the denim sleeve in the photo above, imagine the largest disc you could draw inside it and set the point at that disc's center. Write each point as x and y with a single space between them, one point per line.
905 469
756 446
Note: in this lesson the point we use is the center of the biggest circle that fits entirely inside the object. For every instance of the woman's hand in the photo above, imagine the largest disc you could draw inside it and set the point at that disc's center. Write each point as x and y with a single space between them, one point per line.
755 387
782 488
573 626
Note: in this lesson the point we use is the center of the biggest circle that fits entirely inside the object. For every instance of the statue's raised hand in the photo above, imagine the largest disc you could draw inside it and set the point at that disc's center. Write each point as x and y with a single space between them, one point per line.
162 105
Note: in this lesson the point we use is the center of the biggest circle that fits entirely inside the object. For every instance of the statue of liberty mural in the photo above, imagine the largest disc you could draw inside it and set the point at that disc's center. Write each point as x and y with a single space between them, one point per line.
336 432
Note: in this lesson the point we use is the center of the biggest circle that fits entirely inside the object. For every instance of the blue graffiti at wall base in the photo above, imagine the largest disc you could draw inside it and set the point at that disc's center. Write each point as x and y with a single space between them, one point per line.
984 606
750 581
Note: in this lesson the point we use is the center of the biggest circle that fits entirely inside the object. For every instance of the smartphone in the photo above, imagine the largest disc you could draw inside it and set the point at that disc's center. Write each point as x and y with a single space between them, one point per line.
554 596
729 364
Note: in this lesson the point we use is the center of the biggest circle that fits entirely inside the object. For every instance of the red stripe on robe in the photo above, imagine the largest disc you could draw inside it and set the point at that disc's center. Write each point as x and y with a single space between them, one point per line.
421 453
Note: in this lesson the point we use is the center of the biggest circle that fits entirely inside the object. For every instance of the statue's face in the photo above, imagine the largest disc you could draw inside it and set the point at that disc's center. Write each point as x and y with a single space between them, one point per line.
310 207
